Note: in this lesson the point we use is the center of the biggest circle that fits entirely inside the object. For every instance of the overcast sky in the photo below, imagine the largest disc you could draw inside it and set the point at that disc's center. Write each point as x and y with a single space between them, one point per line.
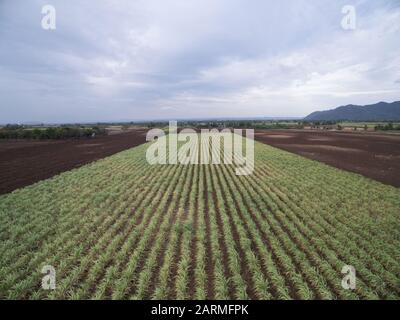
112 60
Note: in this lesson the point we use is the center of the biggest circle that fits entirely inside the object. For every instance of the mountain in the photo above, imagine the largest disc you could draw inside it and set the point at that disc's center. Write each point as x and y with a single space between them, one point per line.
381 111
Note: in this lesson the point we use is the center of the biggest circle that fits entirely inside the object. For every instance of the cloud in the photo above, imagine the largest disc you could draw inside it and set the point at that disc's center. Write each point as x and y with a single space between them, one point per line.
112 60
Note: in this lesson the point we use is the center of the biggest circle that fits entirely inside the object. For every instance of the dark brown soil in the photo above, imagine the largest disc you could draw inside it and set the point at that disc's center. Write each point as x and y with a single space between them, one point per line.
376 156
23 162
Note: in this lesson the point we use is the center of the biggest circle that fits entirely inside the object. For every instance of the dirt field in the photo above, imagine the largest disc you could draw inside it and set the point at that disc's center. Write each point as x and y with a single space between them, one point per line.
25 162
376 156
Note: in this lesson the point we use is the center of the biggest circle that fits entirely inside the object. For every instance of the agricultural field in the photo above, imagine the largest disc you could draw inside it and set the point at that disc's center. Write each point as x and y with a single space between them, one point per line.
373 155
23 162
362 125
119 228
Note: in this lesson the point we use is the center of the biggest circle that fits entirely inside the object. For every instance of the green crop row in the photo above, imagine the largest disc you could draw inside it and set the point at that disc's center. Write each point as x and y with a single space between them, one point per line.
120 228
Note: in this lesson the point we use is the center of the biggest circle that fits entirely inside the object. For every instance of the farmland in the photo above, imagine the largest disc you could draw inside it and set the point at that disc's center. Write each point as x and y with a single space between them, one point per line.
120 228
374 155
23 162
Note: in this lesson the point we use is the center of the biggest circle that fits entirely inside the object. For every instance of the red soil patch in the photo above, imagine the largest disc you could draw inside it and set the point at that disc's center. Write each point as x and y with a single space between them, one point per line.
373 155
23 162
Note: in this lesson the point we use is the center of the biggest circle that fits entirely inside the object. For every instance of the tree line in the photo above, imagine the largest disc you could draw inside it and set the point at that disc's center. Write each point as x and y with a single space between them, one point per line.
21 132
387 127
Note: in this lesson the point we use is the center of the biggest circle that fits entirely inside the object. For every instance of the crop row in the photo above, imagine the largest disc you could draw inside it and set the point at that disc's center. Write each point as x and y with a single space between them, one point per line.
120 228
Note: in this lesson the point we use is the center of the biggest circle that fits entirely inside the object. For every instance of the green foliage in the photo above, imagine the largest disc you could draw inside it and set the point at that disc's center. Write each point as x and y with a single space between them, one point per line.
63 132
387 127
122 229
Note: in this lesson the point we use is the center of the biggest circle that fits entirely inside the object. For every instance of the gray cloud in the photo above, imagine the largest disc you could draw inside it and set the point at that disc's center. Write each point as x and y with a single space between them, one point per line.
121 60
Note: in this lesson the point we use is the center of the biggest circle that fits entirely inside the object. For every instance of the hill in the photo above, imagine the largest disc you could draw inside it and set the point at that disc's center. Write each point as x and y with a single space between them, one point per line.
381 111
